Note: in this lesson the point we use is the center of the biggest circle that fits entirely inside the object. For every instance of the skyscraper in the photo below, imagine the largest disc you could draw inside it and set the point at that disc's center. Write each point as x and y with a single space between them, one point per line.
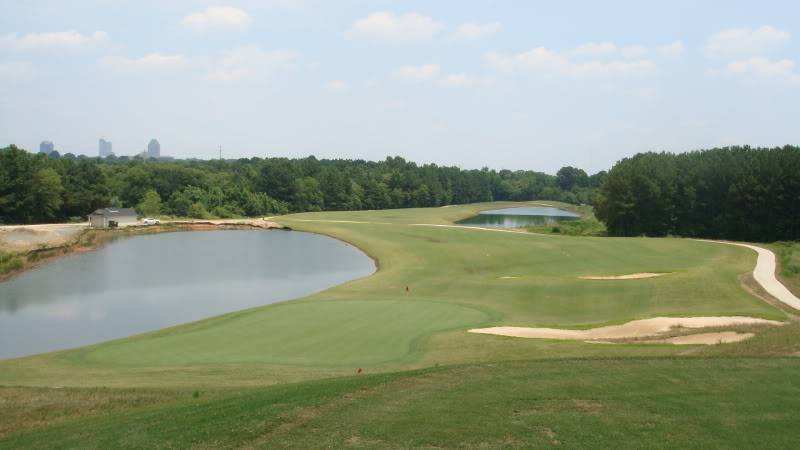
104 148
153 149
46 147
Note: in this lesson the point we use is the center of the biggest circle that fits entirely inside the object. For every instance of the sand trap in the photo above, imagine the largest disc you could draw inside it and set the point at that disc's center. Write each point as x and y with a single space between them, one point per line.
633 329
723 337
630 276
508 278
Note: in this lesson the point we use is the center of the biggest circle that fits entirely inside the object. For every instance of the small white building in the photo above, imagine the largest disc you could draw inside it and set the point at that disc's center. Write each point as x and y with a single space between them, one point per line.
112 217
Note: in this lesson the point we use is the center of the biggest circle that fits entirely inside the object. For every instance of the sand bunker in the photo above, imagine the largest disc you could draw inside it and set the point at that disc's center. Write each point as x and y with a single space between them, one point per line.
633 329
630 276
723 337
508 278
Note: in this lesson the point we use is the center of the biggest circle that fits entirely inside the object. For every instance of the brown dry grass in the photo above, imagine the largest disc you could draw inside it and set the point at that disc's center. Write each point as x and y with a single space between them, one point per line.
26 408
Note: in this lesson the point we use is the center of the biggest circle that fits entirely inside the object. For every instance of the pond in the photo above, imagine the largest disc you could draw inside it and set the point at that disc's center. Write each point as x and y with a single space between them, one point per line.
519 217
145 283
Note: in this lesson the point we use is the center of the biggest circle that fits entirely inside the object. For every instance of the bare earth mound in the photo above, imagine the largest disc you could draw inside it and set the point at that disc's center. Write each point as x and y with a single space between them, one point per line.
630 276
633 329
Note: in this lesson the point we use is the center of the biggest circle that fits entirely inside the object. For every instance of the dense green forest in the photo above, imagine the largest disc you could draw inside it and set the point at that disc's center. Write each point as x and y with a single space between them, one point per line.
737 193
48 188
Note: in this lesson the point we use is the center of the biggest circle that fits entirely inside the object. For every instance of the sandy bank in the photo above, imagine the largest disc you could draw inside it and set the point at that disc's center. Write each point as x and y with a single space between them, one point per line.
629 330
723 337
630 276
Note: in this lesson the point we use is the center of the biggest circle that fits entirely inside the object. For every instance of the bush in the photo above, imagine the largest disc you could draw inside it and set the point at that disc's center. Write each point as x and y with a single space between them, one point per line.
10 262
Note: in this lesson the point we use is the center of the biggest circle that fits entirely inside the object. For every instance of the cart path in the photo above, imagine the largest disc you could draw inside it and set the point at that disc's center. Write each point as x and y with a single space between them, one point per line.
764 273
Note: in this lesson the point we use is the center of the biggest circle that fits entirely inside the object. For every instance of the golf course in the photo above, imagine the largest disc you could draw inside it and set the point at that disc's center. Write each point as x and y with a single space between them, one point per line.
388 360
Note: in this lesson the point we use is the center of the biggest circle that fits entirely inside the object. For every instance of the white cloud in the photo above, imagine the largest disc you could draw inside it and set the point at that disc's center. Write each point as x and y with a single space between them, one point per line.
251 62
470 31
387 26
154 62
742 42
763 68
673 50
425 72
56 40
217 17
336 85
16 71
590 60
456 79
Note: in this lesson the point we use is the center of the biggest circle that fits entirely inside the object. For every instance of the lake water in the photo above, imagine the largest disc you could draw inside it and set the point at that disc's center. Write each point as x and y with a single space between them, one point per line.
519 217
144 283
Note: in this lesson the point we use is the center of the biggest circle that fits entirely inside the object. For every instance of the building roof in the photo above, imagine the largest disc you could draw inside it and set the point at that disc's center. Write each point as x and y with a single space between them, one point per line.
115 212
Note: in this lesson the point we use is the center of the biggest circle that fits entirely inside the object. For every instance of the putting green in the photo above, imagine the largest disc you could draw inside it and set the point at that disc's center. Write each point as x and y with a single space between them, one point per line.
333 333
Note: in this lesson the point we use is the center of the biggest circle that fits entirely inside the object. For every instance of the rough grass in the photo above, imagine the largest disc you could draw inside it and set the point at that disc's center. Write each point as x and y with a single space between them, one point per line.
24 408
788 254
644 403
11 262
583 227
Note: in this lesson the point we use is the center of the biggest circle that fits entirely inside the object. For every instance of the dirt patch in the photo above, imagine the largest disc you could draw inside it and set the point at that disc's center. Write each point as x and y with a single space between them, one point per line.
629 330
630 276
723 337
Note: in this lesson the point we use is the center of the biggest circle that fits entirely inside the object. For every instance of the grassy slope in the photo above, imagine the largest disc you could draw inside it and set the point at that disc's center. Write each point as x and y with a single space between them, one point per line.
693 403
788 254
454 276
454 280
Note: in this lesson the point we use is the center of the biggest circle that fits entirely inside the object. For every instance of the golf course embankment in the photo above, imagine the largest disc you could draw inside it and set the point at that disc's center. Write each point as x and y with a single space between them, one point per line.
386 361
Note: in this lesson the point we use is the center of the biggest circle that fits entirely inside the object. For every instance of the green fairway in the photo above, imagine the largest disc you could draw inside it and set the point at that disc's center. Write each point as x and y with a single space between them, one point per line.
457 278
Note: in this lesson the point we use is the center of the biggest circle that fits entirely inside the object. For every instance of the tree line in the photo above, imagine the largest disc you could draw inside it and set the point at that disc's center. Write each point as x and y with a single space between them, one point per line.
737 193
37 188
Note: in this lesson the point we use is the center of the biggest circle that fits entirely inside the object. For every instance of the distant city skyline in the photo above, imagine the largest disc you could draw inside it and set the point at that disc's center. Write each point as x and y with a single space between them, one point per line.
104 148
516 85
46 147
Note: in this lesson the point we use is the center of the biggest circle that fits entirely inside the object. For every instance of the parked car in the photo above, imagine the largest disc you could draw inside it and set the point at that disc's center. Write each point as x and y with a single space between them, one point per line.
149 221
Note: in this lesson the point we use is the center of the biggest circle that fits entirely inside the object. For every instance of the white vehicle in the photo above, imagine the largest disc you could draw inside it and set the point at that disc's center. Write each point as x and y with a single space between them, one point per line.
149 221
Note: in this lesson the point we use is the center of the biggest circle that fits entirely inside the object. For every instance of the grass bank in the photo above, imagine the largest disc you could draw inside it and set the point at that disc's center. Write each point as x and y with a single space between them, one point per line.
643 403
788 255
431 383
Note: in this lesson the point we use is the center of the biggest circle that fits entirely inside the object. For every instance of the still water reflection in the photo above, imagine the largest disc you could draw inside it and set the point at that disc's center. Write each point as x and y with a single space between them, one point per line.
519 217
145 283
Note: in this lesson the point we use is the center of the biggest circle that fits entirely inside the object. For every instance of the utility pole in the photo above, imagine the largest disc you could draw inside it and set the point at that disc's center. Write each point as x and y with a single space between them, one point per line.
220 153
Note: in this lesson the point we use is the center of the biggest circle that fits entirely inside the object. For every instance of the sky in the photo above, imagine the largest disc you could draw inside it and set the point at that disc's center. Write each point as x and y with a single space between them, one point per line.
532 85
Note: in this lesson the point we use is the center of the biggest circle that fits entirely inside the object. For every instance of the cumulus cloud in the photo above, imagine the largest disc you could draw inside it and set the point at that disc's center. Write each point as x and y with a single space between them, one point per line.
456 79
251 62
220 17
154 62
387 26
424 72
336 85
765 69
552 63
673 50
16 71
469 31
744 42
56 40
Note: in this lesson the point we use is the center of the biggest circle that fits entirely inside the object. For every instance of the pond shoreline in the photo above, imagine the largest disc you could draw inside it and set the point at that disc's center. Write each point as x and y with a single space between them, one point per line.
92 239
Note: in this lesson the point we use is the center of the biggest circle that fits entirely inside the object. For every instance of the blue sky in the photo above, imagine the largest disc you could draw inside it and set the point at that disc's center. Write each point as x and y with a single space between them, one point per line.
503 84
